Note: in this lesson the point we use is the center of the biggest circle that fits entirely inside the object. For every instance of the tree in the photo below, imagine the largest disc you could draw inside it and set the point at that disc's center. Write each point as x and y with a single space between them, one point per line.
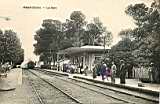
48 40
93 34
123 51
10 47
127 33
108 39
74 28
146 33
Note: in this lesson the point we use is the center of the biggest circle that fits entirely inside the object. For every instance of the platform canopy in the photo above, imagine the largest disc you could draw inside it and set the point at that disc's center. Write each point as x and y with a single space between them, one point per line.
87 48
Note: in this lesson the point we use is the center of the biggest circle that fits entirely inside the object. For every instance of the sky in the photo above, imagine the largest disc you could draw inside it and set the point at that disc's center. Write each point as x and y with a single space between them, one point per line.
26 21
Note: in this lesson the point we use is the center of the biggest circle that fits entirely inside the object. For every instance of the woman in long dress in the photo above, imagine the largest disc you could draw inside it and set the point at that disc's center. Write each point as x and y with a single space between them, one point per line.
113 72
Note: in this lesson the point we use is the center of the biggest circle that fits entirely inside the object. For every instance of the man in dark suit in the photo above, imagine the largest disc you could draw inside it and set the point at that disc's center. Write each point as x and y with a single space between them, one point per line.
122 72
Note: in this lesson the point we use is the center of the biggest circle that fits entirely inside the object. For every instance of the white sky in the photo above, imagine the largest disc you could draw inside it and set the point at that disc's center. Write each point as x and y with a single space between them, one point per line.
26 21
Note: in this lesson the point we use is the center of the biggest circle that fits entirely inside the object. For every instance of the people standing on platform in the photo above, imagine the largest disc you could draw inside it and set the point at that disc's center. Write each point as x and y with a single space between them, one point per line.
95 71
113 72
98 70
103 71
85 70
58 67
81 67
150 72
122 72
108 72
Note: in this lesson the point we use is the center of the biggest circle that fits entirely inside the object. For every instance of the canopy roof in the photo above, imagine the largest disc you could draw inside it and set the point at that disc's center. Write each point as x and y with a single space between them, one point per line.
87 48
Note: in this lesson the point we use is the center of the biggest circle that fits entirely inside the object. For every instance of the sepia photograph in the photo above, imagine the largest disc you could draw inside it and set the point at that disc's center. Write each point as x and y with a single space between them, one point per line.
79 51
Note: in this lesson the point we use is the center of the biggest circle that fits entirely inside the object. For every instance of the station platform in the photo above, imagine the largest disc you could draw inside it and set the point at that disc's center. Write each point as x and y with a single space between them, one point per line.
131 84
13 79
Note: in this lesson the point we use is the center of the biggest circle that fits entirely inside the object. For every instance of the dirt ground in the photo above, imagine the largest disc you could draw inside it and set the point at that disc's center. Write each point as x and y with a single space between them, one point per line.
23 94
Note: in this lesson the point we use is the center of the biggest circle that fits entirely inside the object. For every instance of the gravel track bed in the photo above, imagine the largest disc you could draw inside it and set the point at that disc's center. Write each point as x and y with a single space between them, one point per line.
86 96
119 95
48 94
104 89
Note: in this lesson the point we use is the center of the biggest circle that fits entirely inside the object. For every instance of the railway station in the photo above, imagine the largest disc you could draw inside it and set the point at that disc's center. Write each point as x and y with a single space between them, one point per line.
80 52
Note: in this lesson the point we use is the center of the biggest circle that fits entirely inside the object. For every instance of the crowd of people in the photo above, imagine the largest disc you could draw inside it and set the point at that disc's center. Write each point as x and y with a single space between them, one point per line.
105 71
121 70
102 70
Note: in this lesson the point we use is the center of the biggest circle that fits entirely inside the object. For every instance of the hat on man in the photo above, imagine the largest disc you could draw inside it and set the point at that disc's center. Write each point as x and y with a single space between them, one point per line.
121 60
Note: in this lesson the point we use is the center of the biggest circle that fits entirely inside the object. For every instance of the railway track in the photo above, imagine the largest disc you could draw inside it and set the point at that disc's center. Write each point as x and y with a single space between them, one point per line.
131 99
60 78
41 99
78 92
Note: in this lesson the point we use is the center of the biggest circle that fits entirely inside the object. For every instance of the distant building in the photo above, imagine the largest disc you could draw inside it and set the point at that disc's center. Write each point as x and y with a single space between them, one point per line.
83 56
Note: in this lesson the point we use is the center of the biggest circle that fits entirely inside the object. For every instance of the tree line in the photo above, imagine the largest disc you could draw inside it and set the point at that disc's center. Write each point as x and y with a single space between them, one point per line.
55 35
140 46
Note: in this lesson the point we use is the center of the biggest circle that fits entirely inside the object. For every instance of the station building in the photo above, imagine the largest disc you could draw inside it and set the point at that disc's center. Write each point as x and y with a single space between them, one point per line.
83 56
